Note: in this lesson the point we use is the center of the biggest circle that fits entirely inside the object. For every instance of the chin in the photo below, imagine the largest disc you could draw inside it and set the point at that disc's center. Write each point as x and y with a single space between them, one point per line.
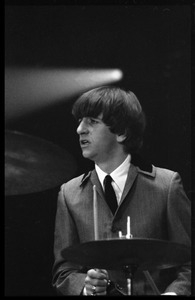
87 155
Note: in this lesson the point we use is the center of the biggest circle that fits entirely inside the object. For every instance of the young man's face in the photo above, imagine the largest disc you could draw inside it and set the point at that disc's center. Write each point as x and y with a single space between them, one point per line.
96 141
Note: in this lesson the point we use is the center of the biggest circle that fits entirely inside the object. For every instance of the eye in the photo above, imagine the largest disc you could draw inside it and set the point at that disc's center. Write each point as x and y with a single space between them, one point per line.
93 121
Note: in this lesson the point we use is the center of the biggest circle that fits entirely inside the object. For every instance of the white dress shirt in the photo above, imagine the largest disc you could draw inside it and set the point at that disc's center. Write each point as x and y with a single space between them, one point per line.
119 176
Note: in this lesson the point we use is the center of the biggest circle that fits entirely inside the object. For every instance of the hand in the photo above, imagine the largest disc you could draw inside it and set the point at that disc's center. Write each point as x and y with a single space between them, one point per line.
96 282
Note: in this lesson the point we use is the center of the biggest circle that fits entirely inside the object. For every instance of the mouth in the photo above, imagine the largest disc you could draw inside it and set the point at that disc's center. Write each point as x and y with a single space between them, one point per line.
84 143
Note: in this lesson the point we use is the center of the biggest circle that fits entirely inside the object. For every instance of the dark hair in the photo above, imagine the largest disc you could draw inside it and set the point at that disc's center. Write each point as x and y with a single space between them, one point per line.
121 110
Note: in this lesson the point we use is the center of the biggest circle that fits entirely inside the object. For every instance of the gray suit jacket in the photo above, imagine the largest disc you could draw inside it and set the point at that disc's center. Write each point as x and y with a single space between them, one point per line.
158 208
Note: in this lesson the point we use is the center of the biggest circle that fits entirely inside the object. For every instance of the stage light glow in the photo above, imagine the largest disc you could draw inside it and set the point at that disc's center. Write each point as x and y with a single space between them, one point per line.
117 74
27 90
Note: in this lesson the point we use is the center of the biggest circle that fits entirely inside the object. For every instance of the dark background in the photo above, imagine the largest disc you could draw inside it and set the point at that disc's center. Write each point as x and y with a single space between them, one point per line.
151 44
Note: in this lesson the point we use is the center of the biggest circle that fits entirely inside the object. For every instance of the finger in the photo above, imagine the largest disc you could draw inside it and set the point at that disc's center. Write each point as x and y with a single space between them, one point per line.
100 283
96 274
96 282
102 271
95 290
100 289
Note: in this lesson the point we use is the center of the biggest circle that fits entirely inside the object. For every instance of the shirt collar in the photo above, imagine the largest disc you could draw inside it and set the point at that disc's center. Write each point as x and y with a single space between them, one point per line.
118 174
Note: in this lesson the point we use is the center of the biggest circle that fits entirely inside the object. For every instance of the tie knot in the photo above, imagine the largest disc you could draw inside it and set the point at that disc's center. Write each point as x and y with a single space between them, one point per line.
108 179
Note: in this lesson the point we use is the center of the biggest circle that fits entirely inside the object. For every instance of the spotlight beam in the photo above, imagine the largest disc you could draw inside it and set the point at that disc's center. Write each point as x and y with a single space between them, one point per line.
27 90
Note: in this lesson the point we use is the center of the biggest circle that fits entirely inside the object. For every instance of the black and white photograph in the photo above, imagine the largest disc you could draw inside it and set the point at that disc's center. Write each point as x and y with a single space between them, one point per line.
98 148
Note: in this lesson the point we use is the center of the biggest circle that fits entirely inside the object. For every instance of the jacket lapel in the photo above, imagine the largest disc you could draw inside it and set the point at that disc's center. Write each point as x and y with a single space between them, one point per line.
95 181
132 174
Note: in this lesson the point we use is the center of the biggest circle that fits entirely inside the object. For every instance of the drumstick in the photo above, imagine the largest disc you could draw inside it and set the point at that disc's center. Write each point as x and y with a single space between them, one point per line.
128 227
95 213
151 282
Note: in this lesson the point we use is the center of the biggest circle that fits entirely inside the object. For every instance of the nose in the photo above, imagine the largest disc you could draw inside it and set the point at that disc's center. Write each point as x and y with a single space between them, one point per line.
82 128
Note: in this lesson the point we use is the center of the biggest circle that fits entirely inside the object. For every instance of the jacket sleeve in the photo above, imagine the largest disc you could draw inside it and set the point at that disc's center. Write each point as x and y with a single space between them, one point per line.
179 230
68 278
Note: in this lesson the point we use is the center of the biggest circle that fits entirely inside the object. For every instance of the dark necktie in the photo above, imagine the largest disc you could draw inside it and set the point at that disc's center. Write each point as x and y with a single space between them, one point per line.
110 194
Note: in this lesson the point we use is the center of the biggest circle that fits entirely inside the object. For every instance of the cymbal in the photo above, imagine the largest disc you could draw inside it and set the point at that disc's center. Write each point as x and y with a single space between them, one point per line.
33 164
146 254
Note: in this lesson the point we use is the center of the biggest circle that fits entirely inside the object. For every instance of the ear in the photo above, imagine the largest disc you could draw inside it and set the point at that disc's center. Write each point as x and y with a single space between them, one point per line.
120 138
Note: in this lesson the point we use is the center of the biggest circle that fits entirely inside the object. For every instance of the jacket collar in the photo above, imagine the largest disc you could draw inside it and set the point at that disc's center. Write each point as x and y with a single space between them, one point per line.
85 177
152 173
92 175
132 174
137 165
143 165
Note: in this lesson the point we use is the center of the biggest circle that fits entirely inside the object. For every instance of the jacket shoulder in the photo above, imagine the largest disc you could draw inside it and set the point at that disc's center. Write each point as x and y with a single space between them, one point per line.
74 182
158 172
160 178
165 173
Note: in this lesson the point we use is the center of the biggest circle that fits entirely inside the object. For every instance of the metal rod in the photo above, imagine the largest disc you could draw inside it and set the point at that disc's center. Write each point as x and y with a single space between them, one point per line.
129 286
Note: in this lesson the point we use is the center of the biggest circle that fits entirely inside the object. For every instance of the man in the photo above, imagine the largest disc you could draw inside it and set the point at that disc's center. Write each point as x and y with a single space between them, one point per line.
111 125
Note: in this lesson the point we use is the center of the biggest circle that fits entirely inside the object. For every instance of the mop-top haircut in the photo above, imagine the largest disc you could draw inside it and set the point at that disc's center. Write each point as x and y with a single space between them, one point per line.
121 111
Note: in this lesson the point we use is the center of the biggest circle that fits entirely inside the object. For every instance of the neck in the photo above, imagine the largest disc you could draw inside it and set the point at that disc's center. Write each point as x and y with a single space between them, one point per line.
112 163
